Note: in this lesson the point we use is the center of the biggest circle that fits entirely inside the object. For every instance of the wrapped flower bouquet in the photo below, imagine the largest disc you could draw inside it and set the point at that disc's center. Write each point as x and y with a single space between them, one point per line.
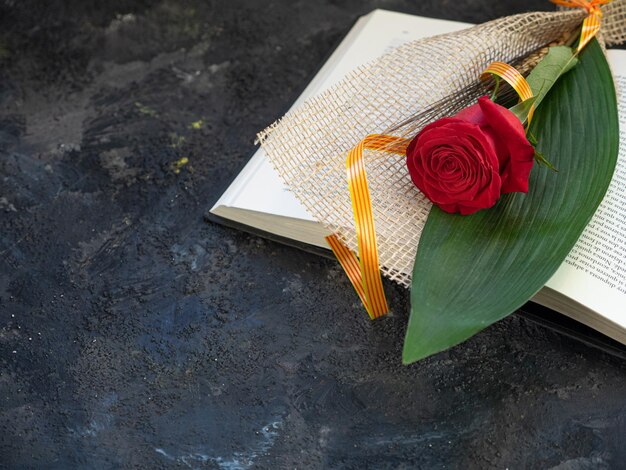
464 166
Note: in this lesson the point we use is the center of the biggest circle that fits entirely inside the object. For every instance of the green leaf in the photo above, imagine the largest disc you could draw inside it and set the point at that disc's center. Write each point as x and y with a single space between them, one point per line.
471 271
522 109
558 61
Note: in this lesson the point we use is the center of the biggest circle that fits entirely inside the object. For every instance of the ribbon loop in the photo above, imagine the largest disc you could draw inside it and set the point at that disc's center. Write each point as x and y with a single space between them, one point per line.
364 272
512 76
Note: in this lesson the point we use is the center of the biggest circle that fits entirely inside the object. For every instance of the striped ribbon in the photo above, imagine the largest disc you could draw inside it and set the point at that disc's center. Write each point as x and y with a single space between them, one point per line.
364 271
512 76
591 24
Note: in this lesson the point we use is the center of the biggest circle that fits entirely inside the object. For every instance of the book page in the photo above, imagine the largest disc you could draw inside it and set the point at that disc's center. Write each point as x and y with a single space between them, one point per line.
594 273
258 187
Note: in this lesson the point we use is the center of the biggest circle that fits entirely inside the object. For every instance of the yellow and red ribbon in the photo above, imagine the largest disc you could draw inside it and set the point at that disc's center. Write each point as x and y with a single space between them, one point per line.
591 24
512 76
364 271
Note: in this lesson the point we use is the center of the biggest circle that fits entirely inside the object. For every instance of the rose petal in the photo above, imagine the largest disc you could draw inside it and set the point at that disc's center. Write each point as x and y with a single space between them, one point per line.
472 114
510 131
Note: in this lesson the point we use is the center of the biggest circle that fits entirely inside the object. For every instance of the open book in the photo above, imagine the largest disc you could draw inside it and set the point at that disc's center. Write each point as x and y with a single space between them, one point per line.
589 287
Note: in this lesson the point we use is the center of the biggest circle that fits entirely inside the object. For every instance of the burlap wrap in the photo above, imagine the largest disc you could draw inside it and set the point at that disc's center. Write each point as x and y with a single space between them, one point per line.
308 146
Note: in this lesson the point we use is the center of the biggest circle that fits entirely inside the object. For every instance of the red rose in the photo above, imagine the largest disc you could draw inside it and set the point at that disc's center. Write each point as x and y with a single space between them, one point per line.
464 163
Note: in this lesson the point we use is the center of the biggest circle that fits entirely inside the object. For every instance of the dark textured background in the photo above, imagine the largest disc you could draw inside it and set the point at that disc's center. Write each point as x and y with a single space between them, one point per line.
133 334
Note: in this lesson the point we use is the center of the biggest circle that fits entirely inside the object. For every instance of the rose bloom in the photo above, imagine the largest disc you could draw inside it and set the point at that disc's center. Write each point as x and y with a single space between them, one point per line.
465 162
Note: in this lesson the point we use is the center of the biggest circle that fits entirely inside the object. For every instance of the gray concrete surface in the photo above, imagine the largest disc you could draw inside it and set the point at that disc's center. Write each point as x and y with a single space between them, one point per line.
134 334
